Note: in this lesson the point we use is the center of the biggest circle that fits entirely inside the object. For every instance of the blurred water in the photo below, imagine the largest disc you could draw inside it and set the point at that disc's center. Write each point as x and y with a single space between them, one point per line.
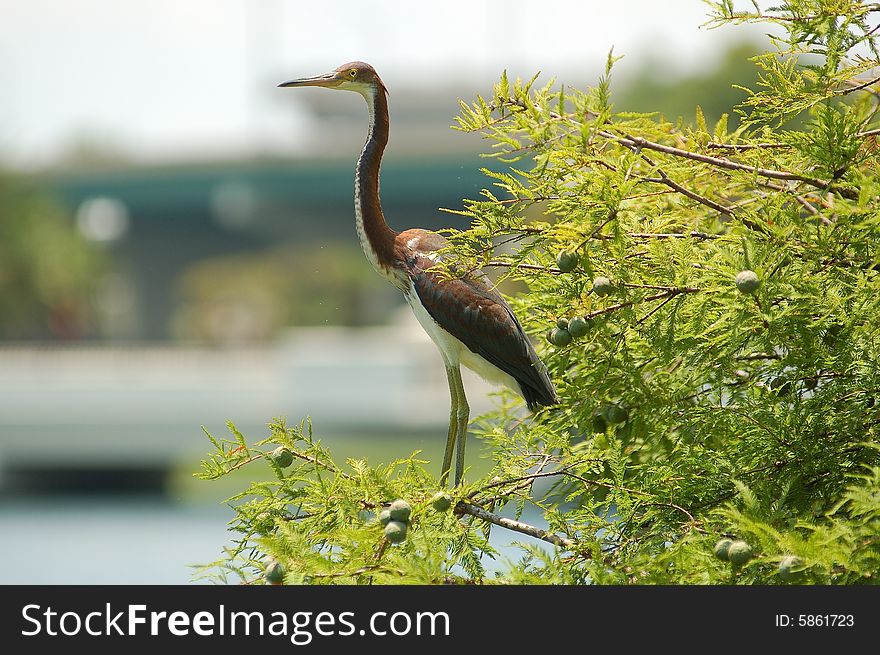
107 541
86 540
78 414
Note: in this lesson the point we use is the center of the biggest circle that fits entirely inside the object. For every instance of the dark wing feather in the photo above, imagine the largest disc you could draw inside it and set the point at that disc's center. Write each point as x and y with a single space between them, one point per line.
477 316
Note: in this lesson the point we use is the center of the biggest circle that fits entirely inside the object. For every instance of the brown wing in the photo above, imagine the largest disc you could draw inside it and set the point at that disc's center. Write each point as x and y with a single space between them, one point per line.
479 317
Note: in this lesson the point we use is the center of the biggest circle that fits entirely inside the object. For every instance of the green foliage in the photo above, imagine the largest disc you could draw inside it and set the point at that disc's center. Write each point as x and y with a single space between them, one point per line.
47 270
693 411
321 520
292 285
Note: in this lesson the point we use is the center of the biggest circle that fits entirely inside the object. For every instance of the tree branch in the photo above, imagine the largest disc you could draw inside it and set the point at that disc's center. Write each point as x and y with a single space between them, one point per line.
693 195
775 144
668 181
758 356
673 235
720 162
745 146
858 87
629 303
516 526
296 453
637 143
659 306
369 568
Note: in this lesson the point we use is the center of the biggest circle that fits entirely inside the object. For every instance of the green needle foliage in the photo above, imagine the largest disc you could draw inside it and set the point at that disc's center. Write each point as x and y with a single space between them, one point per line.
696 405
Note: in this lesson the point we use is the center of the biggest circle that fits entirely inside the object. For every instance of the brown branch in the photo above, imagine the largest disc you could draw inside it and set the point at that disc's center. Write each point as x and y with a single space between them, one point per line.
513 201
632 285
295 453
629 303
528 478
672 235
806 204
647 195
758 356
802 200
637 143
516 526
298 517
668 181
525 267
659 306
641 142
247 460
693 195
858 87
360 571
316 462
745 146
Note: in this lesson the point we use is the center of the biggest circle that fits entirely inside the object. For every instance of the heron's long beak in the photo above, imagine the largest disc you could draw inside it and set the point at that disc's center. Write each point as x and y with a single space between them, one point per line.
328 79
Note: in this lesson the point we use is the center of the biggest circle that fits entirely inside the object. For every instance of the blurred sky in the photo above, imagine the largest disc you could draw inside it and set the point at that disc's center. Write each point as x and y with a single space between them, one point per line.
179 79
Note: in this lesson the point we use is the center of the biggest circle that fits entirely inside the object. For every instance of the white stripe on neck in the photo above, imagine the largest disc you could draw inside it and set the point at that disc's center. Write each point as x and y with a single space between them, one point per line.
369 94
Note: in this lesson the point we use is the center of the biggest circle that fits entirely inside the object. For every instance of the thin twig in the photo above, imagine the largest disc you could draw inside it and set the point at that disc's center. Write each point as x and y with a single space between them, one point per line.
316 462
806 200
295 453
364 569
248 460
595 233
629 303
648 195
659 306
693 195
745 146
758 356
661 287
298 517
673 235
528 478
525 267
672 184
612 487
513 201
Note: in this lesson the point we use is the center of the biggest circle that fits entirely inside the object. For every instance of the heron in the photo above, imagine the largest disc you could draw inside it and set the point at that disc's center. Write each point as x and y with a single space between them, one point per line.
464 315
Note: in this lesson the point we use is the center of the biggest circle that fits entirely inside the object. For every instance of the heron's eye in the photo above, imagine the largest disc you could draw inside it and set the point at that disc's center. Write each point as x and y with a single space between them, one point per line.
352 73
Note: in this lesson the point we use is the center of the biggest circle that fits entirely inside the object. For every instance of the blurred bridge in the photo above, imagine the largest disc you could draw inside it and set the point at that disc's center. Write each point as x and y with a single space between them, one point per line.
138 409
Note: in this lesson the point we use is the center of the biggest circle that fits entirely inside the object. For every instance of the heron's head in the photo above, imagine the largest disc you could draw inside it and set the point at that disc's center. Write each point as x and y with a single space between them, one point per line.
353 76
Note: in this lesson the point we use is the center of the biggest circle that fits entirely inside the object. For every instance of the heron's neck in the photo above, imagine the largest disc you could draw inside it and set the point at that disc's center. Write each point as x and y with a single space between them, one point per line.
377 239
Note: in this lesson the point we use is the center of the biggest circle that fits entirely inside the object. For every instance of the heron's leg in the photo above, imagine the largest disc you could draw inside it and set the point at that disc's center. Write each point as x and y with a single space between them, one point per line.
451 373
462 413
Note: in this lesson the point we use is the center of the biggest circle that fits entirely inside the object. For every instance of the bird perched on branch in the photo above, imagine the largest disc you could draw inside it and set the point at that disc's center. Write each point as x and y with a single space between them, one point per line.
467 319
